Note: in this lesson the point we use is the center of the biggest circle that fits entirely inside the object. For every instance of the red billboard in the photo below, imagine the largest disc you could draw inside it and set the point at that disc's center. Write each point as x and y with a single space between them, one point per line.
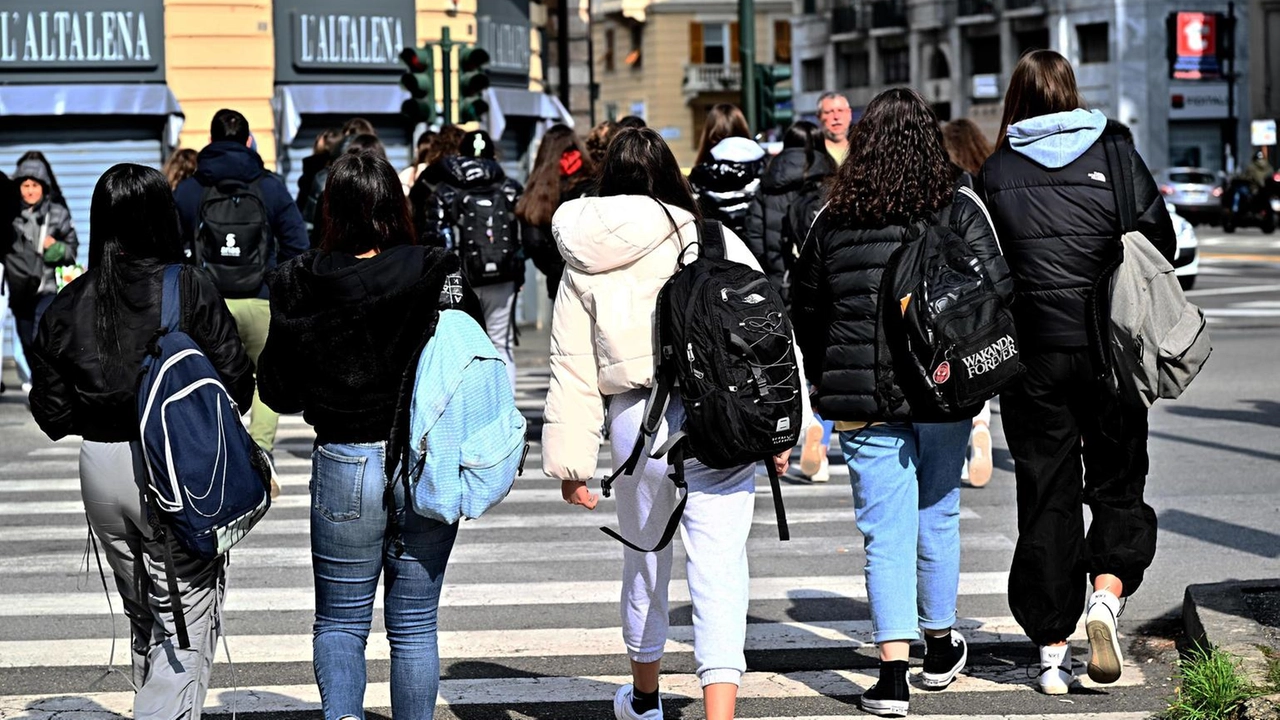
1196 45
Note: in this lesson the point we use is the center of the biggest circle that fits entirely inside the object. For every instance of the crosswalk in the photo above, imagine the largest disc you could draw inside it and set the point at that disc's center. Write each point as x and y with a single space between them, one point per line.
529 618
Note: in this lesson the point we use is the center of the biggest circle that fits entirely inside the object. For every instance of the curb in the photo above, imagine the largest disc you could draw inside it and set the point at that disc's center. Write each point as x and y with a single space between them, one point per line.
1218 614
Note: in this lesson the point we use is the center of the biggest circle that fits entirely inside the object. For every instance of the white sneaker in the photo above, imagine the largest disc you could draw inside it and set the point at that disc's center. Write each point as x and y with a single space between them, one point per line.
823 474
622 709
1055 672
1105 662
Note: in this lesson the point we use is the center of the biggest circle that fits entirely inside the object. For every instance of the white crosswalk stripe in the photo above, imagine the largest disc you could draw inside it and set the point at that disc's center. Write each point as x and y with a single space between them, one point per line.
528 613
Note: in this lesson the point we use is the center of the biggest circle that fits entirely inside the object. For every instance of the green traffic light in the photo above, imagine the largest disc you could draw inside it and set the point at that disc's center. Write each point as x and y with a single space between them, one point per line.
472 109
473 80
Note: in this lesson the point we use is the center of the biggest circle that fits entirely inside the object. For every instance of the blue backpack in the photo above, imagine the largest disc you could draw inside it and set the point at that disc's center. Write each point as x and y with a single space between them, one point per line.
208 483
467 438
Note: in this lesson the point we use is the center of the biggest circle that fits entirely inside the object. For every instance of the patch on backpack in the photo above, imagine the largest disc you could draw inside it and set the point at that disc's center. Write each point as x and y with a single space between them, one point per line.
942 373
784 424
1095 175
753 299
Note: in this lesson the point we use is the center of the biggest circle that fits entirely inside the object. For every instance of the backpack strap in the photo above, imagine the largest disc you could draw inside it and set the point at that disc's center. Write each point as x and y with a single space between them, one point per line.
676 448
171 299
1121 181
711 239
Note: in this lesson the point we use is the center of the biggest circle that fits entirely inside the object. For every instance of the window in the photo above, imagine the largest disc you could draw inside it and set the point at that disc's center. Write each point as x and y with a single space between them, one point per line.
636 55
1095 43
782 41
610 49
713 43
813 75
939 68
895 64
853 69
1032 40
985 55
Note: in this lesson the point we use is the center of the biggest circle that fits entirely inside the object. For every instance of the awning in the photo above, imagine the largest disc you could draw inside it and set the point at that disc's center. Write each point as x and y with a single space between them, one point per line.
514 102
95 99
291 102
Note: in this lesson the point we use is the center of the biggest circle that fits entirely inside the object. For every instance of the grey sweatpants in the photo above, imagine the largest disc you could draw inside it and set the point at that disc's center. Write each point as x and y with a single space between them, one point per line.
714 529
171 682
498 303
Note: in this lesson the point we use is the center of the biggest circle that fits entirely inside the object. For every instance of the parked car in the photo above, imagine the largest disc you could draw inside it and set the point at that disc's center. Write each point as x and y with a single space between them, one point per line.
1186 263
1195 192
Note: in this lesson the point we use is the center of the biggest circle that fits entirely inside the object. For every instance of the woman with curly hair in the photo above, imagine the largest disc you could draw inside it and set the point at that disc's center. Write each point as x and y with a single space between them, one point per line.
905 473
180 166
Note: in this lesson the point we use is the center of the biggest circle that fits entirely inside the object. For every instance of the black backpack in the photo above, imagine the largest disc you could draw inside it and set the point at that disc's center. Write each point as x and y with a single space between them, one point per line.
487 241
724 339
233 239
951 338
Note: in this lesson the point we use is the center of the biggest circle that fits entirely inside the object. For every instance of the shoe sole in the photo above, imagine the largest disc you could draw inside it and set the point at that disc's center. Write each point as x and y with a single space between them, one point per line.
1055 690
980 468
939 681
885 708
1104 656
811 453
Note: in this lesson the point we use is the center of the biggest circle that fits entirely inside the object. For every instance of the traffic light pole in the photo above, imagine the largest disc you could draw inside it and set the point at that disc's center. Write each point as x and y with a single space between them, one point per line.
747 61
446 71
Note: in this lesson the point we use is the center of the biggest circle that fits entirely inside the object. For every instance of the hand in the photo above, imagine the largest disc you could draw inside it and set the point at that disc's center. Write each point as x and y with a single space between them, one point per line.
575 492
782 461
48 242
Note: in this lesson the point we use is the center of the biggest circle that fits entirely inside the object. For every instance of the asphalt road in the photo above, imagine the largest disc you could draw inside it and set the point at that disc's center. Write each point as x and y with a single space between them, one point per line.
529 618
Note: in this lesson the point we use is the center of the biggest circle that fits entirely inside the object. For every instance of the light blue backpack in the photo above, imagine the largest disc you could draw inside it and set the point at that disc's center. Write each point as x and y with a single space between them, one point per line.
466 437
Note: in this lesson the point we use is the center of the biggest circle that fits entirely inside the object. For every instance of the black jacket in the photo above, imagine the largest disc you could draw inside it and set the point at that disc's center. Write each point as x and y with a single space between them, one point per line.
1059 228
773 232
837 309
724 190
343 333
540 245
30 269
226 160
312 165
72 393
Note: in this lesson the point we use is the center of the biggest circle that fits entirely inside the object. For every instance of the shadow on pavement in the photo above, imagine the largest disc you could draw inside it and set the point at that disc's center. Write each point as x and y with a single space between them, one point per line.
1219 532
1264 412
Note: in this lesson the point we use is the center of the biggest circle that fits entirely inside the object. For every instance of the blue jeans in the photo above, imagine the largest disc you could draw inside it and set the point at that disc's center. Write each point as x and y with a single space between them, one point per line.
350 548
906 491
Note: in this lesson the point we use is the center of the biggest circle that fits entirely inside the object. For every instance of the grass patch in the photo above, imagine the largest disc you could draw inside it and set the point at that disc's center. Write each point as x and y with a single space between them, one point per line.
1211 686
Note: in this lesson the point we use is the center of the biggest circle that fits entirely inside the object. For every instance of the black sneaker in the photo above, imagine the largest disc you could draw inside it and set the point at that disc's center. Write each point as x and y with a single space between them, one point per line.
890 696
944 658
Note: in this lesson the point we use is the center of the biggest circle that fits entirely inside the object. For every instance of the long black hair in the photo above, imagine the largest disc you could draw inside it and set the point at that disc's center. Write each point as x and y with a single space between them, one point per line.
639 162
364 206
133 218
804 135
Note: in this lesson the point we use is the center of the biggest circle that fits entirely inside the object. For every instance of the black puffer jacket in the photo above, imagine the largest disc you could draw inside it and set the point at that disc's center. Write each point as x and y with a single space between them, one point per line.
343 332
772 232
1059 228
72 393
837 310
540 245
725 185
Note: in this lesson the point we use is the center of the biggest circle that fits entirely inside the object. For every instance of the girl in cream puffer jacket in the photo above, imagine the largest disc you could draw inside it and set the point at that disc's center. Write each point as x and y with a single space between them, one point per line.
620 248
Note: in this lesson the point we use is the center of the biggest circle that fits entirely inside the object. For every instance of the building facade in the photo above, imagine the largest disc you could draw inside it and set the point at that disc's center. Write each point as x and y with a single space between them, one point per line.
1264 90
960 54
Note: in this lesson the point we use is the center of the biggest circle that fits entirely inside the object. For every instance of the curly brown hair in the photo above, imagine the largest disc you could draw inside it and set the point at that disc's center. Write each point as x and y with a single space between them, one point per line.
598 141
897 170
966 145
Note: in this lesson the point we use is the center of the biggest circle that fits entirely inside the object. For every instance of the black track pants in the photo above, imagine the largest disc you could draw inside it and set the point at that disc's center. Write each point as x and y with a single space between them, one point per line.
1046 415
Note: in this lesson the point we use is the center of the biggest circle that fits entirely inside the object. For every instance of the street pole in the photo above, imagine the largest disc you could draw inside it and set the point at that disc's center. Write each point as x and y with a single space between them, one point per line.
562 51
593 92
1232 132
446 70
747 61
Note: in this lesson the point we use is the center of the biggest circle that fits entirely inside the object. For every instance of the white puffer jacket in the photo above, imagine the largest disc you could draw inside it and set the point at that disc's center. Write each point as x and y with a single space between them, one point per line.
620 251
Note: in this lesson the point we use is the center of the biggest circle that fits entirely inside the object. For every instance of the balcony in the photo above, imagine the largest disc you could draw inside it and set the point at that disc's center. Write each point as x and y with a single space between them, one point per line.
848 19
888 14
700 79
971 8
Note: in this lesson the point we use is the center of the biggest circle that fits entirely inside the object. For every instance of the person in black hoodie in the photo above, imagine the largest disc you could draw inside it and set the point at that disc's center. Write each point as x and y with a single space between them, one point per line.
726 172
85 368
228 159
791 193
1052 193
348 321
905 468
473 213
561 172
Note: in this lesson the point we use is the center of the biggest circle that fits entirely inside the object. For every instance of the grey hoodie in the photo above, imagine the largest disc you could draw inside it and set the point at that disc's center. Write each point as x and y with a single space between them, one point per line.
1057 140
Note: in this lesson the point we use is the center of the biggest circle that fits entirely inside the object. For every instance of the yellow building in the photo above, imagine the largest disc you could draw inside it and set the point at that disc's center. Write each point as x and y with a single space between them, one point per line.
646 50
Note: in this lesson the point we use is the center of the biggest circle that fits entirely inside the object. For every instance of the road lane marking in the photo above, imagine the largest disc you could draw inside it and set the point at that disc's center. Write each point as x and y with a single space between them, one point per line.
1242 290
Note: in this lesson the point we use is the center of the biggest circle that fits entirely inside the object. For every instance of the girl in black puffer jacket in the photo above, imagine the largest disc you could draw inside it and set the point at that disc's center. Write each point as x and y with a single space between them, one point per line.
1051 192
726 173
906 474
791 193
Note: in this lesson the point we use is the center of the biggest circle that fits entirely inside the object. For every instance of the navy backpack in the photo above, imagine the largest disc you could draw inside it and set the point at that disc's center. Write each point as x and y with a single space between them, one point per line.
208 483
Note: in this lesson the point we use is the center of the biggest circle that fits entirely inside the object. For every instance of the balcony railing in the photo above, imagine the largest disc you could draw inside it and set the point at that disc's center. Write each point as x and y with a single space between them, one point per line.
711 78
888 14
848 19
976 7
1023 4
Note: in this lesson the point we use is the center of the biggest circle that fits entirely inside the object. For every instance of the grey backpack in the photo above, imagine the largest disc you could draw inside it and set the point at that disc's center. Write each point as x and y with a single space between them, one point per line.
1156 340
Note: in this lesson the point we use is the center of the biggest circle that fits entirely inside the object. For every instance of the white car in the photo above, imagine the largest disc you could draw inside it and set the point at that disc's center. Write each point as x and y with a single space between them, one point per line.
1186 263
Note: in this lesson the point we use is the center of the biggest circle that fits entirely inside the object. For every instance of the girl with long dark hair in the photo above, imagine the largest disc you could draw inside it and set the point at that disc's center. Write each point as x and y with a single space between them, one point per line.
726 173
620 248
347 321
905 472
560 173
85 373
1051 190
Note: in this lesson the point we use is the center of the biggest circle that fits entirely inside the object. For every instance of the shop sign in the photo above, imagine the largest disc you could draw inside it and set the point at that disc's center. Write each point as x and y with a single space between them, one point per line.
1196 42
1194 101
321 40
1263 133
503 28
82 40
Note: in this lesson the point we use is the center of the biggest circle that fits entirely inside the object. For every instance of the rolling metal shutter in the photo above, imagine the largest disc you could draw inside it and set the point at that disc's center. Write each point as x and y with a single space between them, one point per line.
392 134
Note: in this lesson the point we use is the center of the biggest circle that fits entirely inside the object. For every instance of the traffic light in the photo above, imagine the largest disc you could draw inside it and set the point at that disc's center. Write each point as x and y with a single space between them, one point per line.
420 81
776 109
473 80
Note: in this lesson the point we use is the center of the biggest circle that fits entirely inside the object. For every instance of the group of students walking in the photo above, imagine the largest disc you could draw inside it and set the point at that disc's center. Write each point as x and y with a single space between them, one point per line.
609 222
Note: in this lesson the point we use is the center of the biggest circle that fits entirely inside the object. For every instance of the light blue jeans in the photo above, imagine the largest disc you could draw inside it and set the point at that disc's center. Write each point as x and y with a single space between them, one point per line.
350 548
906 491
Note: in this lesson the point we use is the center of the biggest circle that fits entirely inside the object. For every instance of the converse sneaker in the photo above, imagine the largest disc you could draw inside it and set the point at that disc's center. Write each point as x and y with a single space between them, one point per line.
1104 643
823 474
813 452
1055 670
890 696
944 658
622 709
980 461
